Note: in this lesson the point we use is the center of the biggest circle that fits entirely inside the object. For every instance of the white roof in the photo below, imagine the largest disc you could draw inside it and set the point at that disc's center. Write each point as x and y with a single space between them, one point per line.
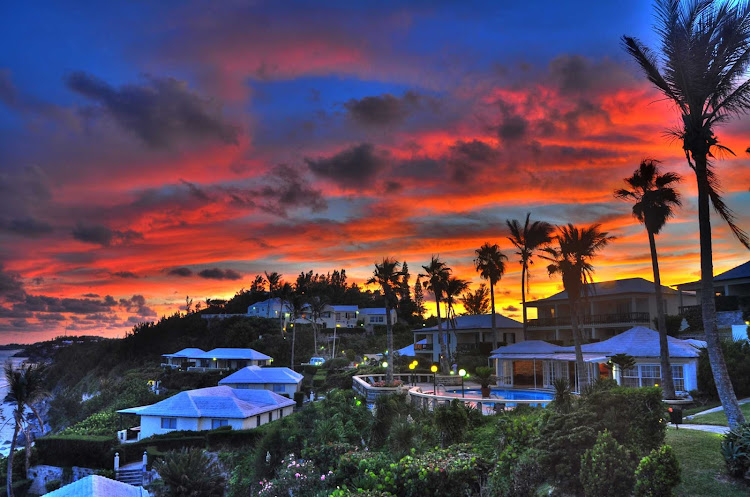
369 311
189 352
234 354
409 349
344 308
256 374
98 486
214 402
482 321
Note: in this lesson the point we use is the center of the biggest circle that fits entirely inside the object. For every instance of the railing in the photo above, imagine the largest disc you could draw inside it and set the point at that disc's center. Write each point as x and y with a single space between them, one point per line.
486 405
724 303
593 319
363 385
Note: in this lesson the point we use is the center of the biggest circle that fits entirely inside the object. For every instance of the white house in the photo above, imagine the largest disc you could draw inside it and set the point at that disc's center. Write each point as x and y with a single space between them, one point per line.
375 316
219 359
267 309
98 486
277 380
211 408
535 363
184 359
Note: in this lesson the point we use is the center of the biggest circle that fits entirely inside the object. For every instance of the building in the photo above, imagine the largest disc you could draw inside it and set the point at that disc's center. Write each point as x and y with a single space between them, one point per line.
537 364
277 380
98 486
217 359
339 316
471 334
608 308
267 309
211 408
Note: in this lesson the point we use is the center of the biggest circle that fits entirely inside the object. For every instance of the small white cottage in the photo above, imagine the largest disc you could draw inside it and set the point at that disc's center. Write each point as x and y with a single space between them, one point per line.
277 380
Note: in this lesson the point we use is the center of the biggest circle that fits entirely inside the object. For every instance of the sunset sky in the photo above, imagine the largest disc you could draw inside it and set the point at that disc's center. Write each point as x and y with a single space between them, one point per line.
153 150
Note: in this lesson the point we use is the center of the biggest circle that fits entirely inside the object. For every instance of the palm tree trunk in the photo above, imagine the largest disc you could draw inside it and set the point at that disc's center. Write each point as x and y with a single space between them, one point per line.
294 338
441 340
9 480
666 368
523 297
494 328
708 304
389 345
583 375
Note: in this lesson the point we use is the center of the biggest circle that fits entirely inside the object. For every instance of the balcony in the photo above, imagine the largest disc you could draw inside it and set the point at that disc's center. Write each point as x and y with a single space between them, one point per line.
593 319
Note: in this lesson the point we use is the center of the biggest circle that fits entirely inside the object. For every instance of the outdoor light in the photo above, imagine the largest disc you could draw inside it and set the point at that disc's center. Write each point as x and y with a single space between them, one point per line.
411 375
434 369
462 373
385 364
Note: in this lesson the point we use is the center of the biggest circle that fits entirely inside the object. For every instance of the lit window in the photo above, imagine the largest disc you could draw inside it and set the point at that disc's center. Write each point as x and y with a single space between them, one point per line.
169 423
678 375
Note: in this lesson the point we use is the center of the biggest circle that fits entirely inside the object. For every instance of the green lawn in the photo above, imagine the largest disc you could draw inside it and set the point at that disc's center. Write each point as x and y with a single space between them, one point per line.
718 417
703 470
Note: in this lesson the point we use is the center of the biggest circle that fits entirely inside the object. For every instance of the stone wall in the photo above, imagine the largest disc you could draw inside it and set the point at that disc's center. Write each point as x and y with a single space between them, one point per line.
42 474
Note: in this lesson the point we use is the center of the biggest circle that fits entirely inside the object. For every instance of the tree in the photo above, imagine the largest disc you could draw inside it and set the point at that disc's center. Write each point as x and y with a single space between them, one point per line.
436 274
316 306
478 302
285 293
576 247
296 305
189 473
418 300
654 200
528 239
453 288
705 54
491 266
258 285
25 389
274 281
388 276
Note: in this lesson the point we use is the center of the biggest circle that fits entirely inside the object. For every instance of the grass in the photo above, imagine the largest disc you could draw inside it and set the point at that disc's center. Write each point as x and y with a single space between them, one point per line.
703 469
695 410
717 418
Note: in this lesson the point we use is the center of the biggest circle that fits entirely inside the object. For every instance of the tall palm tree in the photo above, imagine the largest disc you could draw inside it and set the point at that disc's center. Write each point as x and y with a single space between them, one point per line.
453 288
528 239
388 276
296 305
477 302
285 293
655 200
705 55
274 282
25 389
316 306
571 258
436 275
491 266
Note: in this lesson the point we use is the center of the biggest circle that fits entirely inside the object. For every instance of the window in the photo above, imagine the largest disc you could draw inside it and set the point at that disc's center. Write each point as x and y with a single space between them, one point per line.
630 378
642 375
270 416
257 420
277 388
216 423
169 423
678 375
376 319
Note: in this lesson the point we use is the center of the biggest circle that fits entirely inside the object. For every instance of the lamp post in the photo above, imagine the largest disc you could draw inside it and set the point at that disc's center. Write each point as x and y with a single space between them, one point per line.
434 369
411 372
462 373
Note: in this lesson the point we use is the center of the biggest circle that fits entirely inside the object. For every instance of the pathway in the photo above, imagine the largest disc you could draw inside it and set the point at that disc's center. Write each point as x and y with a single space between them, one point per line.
710 428
715 409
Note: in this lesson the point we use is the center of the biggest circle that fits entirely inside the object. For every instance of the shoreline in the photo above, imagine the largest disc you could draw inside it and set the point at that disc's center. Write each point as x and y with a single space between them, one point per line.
6 408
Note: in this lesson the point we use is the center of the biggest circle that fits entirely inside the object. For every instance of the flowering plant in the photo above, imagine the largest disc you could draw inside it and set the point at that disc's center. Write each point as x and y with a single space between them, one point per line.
295 477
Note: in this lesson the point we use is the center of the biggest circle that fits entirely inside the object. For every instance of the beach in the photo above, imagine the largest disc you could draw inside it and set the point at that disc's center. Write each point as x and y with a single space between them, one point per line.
6 409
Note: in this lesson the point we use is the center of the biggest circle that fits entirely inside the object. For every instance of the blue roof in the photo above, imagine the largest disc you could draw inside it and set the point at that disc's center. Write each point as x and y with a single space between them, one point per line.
482 321
612 287
258 375
741 271
187 353
214 402
372 311
234 354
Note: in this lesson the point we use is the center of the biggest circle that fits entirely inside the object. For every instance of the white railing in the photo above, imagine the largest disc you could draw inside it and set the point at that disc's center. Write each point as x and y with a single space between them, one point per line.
486 405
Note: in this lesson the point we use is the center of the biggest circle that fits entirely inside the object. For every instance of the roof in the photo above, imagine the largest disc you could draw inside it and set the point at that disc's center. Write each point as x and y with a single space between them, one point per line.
613 287
481 321
256 374
234 354
408 351
740 272
189 352
372 310
344 308
98 486
637 342
214 402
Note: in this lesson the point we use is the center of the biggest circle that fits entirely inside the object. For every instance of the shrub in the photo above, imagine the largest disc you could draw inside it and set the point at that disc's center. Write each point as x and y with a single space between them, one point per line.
737 355
366 471
326 457
189 472
299 398
658 473
76 450
607 468
100 423
52 485
451 420
736 450
295 478
232 438
440 473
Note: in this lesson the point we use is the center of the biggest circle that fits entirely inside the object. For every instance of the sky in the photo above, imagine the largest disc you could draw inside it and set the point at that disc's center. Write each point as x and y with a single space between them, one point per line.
155 150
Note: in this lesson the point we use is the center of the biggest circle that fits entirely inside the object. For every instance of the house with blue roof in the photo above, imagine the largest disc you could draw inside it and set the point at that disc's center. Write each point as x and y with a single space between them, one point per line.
223 359
277 380
211 408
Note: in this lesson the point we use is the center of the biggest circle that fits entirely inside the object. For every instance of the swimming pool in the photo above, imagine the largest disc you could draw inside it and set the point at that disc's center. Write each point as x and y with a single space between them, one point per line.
511 394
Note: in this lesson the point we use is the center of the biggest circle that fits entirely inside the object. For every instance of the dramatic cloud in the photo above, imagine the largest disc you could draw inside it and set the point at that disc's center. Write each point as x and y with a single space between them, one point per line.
220 274
382 110
180 271
352 167
160 112
102 235
27 226
11 286
124 274
511 308
137 305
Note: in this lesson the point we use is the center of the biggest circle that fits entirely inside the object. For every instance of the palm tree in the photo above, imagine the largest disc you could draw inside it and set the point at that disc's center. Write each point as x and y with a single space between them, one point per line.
477 302
316 306
190 473
285 293
388 275
576 247
274 282
25 388
436 274
705 49
453 288
491 266
528 239
296 305
655 199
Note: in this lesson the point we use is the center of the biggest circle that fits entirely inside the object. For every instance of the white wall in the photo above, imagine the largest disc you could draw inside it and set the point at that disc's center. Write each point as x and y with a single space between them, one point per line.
289 388
151 425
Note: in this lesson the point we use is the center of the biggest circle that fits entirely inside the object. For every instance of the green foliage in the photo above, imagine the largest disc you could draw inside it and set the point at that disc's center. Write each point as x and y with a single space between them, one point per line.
563 402
484 375
162 443
527 474
607 468
452 421
223 439
625 361
366 471
296 478
401 437
76 450
52 485
388 408
735 448
101 423
737 357
189 473
658 474
444 472
326 457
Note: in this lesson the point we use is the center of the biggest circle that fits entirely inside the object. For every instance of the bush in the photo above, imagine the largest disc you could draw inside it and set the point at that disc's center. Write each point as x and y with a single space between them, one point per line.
189 472
76 450
658 473
105 423
52 485
134 451
607 468
527 474
440 473
451 420
326 457
736 450
232 438
299 398
737 356
366 471
295 478
20 488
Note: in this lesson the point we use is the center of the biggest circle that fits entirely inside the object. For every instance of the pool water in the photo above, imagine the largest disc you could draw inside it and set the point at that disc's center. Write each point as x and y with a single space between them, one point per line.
510 394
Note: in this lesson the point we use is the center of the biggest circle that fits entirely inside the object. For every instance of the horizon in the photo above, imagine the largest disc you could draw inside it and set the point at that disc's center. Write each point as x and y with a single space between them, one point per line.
153 152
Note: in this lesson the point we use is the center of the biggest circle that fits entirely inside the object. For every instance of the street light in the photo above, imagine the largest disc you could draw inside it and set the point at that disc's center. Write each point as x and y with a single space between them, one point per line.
462 373
434 369
411 372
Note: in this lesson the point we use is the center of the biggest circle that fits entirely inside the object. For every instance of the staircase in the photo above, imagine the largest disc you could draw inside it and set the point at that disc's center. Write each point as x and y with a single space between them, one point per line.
130 476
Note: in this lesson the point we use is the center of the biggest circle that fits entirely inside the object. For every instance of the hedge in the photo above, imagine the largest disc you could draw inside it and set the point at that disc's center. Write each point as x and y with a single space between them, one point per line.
76 450
134 451
232 438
